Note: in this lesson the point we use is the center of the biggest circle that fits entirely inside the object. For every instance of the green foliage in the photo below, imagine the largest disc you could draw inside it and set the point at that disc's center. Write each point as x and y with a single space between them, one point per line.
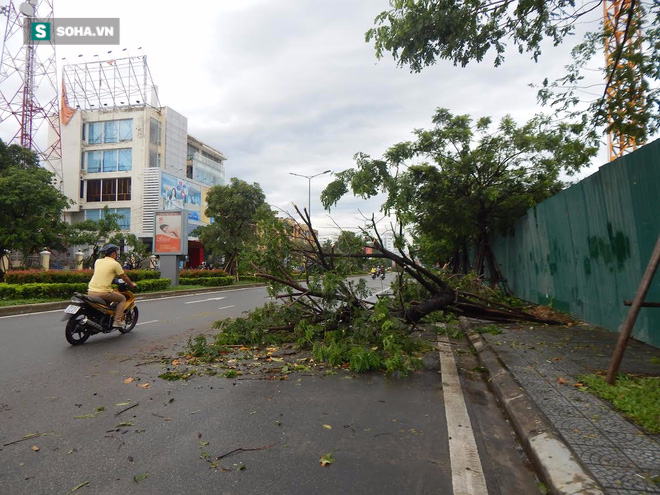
65 290
95 233
202 273
30 207
68 276
152 285
489 329
173 376
638 397
40 291
200 348
236 208
208 281
473 178
417 34
136 253
366 341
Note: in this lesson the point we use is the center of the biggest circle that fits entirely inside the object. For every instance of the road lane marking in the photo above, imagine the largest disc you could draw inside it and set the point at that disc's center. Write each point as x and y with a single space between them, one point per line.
140 301
146 322
226 307
466 471
205 300
37 313
378 293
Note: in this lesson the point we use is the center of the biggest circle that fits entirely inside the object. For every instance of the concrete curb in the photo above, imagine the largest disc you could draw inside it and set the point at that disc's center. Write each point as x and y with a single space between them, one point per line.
560 469
50 306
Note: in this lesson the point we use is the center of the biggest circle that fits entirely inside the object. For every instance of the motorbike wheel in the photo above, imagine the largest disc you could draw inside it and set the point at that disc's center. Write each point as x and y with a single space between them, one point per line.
131 318
76 334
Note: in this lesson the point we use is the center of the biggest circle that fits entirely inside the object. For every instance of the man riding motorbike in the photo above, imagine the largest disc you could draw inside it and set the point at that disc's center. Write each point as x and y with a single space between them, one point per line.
106 269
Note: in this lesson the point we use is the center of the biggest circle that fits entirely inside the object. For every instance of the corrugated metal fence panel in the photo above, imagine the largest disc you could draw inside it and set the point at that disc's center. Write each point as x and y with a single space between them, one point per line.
585 250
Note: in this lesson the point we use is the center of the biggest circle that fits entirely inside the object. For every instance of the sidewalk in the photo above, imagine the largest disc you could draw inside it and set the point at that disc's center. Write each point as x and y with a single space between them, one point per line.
574 437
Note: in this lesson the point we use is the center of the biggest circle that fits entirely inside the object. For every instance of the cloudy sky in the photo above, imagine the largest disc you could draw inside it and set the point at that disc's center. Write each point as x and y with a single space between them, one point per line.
291 86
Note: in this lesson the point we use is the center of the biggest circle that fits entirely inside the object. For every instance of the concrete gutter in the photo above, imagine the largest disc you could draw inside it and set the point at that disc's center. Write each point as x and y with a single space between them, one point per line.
559 467
51 306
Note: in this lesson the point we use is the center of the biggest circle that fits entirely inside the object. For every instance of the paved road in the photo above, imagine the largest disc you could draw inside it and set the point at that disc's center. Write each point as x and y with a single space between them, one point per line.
62 425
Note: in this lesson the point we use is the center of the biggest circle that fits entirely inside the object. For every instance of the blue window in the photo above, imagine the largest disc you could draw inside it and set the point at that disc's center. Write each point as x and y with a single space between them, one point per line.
95 132
125 159
110 132
124 219
93 215
125 130
94 159
110 161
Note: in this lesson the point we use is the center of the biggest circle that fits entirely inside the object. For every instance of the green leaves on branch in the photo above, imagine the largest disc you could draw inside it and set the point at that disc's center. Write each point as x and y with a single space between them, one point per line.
418 33
460 179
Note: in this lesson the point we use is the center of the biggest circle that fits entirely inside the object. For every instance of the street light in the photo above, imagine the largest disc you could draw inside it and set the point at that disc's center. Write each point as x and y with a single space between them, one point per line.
309 189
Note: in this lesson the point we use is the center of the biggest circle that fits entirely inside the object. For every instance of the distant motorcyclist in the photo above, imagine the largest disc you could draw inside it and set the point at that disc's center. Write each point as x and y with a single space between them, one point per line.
105 270
373 272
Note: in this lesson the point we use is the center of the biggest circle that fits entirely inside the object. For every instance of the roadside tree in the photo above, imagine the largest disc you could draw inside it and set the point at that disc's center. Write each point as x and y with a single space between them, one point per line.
461 180
30 207
235 209
94 234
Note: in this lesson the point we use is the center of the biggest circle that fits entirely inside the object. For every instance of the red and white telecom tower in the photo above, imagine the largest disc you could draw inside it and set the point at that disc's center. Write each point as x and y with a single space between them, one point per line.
29 96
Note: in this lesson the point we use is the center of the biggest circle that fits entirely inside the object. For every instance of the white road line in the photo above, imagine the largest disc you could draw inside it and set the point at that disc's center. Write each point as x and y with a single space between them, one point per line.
36 313
205 300
146 322
377 293
226 307
466 471
140 301
155 299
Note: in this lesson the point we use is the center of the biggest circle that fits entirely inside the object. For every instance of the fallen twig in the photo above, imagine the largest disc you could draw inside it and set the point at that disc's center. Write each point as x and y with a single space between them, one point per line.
241 449
26 437
129 407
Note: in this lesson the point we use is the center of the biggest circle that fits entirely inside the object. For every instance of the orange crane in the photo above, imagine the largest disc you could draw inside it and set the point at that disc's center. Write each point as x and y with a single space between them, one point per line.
621 24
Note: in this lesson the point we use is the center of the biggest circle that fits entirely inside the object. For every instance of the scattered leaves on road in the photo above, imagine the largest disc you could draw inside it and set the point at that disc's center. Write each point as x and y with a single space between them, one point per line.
140 477
35 448
130 379
326 459
327 427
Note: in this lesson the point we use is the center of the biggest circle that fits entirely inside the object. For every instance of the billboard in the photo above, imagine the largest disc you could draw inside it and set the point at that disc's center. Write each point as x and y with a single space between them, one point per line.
171 232
181 194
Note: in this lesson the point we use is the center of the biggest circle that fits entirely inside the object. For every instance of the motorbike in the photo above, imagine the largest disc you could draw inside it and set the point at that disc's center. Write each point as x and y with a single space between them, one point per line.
89 315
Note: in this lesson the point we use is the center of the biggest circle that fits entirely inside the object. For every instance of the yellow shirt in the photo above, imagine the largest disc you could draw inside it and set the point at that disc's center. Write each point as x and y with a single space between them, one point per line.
105 269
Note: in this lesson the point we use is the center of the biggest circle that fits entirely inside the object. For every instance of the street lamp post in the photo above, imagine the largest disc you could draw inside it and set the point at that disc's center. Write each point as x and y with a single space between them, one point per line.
309 188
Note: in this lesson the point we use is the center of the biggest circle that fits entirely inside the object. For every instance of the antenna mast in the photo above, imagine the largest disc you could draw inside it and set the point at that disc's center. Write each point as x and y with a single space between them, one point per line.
29 103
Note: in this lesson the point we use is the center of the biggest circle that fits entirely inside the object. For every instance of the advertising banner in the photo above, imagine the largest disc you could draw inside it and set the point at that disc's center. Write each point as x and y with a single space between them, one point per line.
181 194
171 232
206 220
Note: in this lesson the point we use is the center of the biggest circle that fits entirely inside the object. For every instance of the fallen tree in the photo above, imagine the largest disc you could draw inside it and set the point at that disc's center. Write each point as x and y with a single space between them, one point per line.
457 294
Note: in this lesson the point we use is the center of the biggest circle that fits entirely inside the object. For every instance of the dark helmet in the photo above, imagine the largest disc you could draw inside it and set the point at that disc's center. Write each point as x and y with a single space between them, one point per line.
109 249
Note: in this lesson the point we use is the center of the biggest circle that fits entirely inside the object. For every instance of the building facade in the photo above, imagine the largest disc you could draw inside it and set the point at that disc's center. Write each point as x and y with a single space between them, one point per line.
136 160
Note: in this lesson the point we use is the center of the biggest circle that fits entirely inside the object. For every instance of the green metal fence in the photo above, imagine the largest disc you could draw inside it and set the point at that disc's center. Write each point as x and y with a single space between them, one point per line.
584 250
